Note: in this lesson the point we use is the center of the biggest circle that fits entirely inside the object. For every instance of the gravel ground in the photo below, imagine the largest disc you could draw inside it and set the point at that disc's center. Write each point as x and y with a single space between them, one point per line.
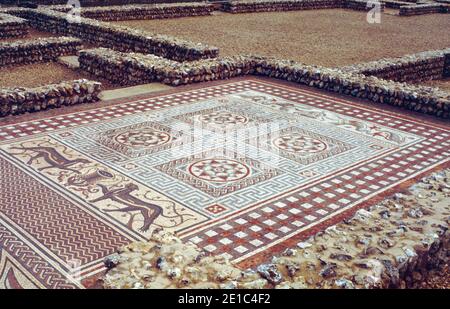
324 37
444 84
39 74
439 280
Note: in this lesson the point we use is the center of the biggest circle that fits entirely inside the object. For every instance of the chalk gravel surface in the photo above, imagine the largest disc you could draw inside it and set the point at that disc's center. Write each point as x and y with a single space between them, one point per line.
330 38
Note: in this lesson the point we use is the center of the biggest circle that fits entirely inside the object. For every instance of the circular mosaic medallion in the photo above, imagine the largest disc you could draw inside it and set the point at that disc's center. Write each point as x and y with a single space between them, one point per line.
223 118
219 170
143 138
299 143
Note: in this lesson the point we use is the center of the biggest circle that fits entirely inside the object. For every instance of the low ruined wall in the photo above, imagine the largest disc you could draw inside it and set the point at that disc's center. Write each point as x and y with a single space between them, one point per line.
392 4
420 9
89 3
15 101
11 26
410 68
117 37
133 69
421 99
360 5
142 12
137 69
247 6
447 64
37 50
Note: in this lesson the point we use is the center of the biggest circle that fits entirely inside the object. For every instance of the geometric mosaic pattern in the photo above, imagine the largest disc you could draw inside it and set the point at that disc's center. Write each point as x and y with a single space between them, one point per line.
139 139
240 169
217 174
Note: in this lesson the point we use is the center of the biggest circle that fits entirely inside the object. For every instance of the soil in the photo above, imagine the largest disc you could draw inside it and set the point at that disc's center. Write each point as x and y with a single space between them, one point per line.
39 74
330 38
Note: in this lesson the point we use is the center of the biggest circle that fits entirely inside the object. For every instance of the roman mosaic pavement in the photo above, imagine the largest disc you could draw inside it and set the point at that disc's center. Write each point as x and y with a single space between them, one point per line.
239 168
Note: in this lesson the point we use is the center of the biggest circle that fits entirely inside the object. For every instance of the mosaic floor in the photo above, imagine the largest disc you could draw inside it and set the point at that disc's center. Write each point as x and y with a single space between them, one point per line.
241 169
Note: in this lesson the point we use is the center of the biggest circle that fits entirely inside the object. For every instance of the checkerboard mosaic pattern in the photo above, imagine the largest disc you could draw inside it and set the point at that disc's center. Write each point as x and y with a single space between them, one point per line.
237 169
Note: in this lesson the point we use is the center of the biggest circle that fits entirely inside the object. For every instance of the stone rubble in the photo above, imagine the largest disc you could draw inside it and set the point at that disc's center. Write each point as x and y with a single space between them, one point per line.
11 26
165 262
129 69
360 252
37 50
20 100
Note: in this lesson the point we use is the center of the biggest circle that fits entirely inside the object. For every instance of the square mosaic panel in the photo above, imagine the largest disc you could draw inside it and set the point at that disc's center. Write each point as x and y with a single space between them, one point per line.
299 145
217 174
139 139
228 116
237 168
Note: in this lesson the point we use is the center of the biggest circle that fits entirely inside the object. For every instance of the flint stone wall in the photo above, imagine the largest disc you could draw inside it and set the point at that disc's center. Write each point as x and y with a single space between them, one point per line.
85 3
417 67
15 101
142 12
447 65
11 26
129 69
117 37
392 4
421 9
247 6
360 5
37 50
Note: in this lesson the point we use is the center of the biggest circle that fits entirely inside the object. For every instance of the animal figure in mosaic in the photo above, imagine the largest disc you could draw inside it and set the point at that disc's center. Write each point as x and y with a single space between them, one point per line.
313 114
123 196
52 157
256 98
372 130
286 106
356 125
283 105
328 117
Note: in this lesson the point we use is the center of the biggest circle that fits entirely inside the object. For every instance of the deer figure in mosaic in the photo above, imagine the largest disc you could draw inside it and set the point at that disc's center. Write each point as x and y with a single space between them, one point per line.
52 157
